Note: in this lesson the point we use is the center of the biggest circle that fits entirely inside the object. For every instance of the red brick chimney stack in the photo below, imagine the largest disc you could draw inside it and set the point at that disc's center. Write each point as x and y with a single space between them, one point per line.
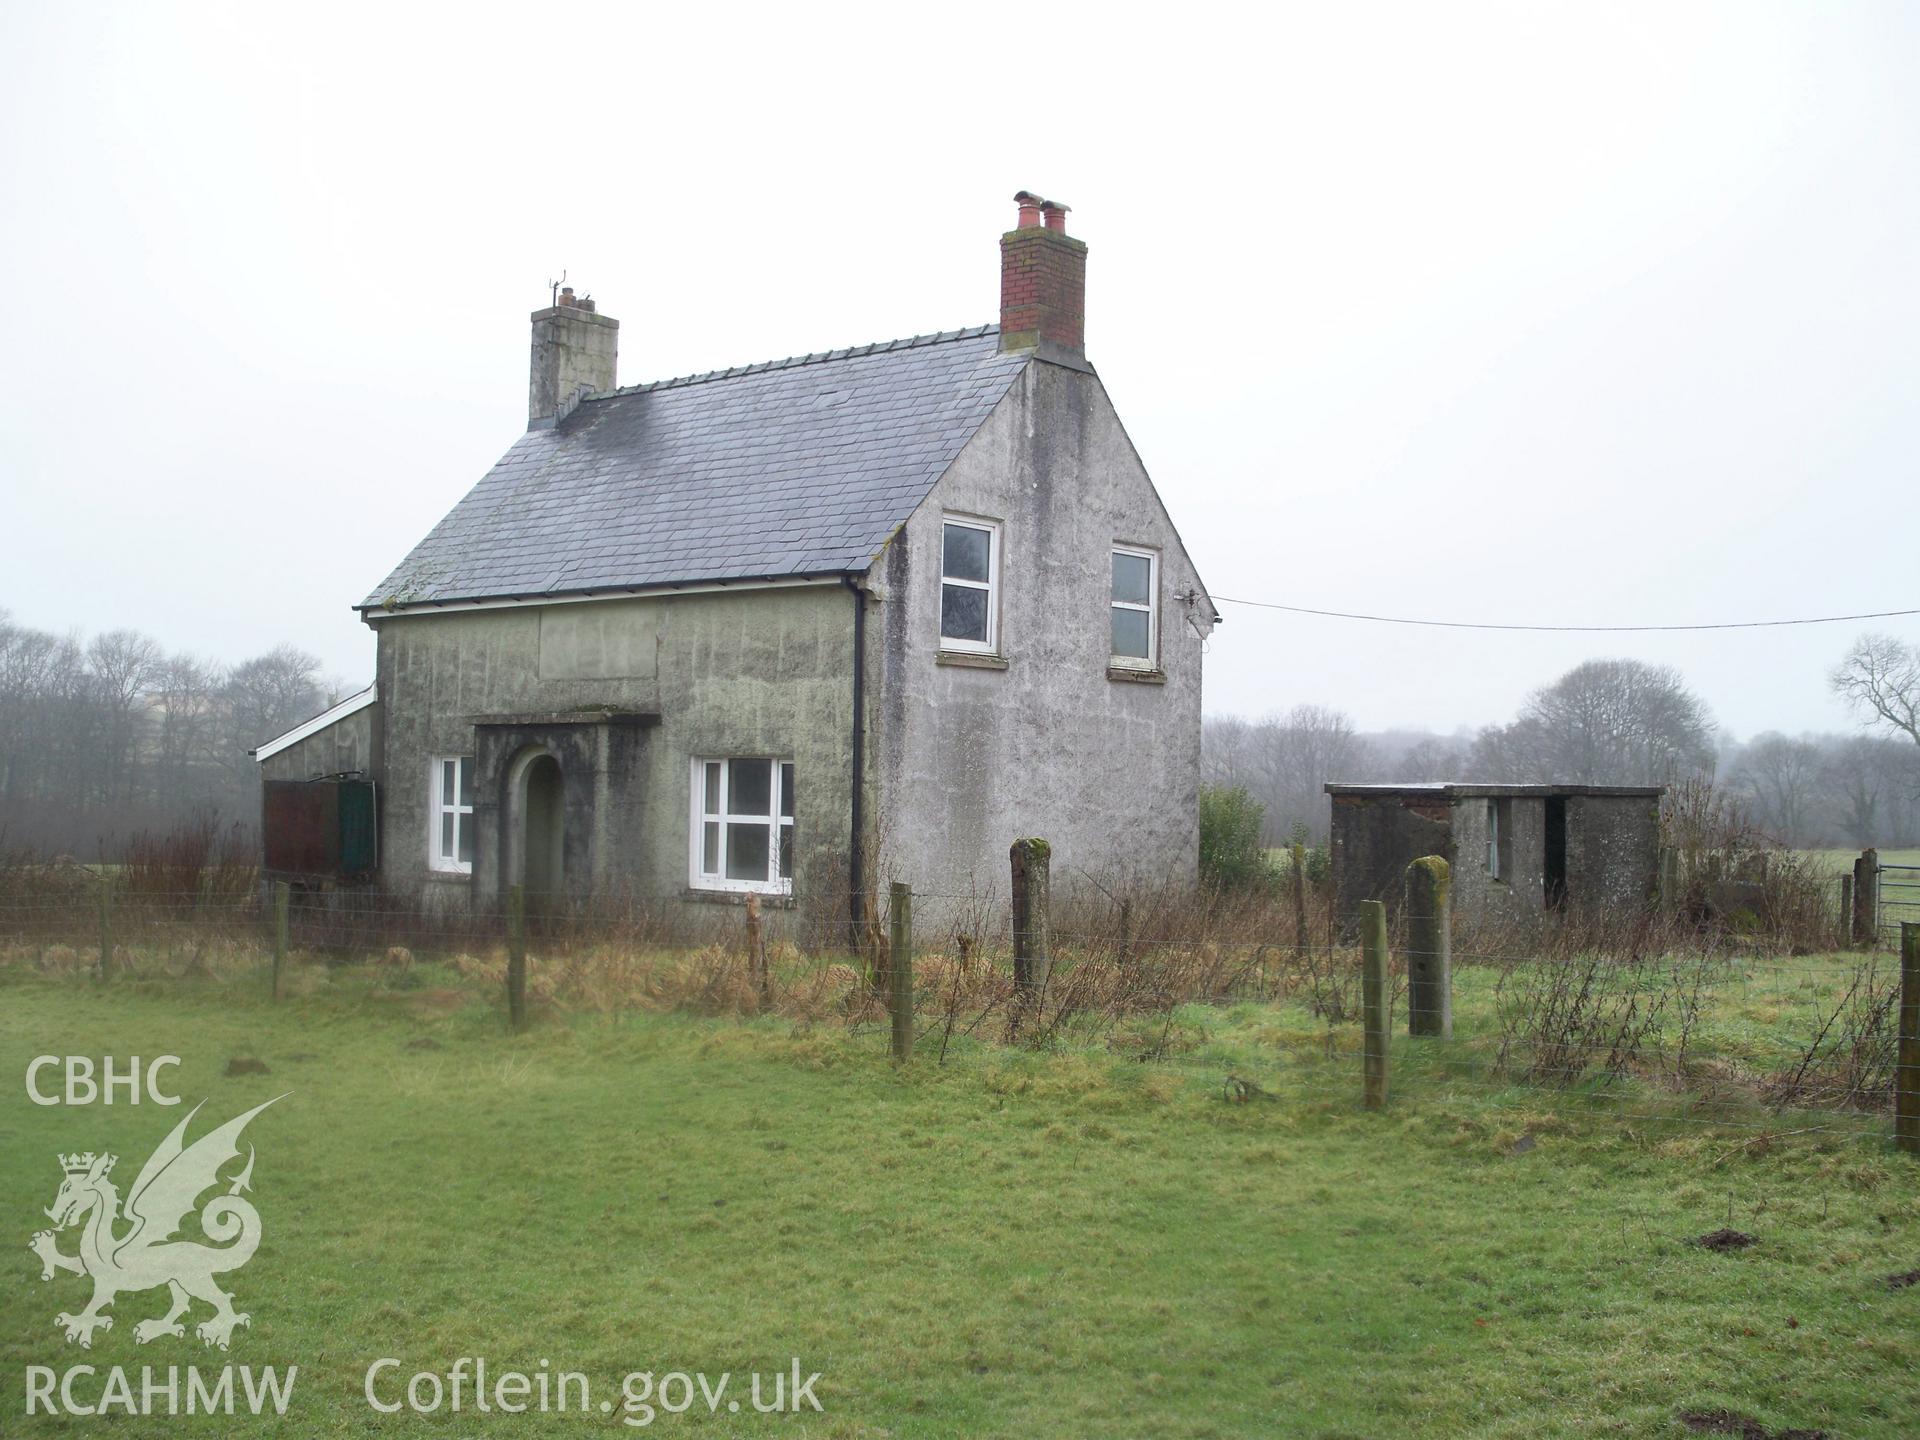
1043 281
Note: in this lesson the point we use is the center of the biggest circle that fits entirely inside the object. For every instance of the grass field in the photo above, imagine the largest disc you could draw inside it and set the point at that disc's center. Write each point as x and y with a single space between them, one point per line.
1070 1244
1840 862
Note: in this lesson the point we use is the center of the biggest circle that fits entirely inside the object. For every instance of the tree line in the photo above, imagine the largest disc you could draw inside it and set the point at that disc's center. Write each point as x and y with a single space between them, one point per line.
103 737
1615 722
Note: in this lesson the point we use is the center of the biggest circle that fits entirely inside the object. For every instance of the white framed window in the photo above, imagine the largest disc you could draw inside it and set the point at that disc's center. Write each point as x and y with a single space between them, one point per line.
1133 607
450 815
970 585
742 831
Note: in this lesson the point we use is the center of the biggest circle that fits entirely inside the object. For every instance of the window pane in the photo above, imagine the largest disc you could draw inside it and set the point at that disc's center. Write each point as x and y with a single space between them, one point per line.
1130 633
750 789
446 835
966 553
710 848
465 767
786 852
464 824
747 847
963 613
1132 579
446 785
786 791
712 768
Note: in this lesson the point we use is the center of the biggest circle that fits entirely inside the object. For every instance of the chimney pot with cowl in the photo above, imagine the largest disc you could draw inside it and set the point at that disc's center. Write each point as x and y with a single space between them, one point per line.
1043 281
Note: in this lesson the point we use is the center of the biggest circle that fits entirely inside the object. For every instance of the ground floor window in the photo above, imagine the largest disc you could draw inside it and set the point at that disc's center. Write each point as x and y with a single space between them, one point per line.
450 815
742 832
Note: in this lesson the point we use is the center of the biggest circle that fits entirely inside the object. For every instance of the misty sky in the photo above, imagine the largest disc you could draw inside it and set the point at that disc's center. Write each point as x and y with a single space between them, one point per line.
1555 314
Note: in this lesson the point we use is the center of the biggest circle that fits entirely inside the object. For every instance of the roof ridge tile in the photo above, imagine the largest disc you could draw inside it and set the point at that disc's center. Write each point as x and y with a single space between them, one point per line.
850 352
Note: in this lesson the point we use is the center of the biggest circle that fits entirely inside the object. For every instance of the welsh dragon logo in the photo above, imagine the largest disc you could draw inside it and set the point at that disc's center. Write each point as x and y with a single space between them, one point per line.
146 1256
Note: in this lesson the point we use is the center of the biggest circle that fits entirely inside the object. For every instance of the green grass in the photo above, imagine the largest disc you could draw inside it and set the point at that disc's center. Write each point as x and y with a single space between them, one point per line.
1073 1244
1840 862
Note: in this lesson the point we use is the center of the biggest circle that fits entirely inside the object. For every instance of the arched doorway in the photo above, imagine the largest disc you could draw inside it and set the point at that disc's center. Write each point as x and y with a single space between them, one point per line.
539 831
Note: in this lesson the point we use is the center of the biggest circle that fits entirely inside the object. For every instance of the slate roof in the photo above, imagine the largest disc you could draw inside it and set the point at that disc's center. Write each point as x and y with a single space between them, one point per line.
794 467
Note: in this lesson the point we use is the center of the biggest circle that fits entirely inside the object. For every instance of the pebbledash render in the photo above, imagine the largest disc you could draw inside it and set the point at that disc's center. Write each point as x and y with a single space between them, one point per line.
1518 852
796 629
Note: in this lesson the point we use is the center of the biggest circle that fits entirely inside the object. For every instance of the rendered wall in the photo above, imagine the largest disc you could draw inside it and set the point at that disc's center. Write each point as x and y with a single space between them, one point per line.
766 672
972 757
350 743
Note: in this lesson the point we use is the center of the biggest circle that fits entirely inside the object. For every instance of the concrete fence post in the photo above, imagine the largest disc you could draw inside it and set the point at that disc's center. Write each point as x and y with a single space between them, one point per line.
1669 879
1906 1072
1866 898
1031 946
757 951
517 957
1374 997
1430 947
900 968
282 909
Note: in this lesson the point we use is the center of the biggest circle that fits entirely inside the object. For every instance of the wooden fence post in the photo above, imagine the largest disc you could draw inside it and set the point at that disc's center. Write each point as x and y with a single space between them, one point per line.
900 968
517 957
1299 901
1845 927
757 951
1031 952
1669 879
282 905
1430 947
1906 1071
106 928
1866 898
1374 997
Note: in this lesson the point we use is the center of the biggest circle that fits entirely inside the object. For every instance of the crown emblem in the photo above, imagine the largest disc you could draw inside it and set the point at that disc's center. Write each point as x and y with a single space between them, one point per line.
80 1164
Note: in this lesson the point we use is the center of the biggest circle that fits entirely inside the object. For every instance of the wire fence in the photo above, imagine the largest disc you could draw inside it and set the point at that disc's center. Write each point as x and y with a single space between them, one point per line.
1636 1020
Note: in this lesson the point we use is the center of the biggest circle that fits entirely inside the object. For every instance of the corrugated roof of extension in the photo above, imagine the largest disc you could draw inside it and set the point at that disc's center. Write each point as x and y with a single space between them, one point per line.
1493 790
794 467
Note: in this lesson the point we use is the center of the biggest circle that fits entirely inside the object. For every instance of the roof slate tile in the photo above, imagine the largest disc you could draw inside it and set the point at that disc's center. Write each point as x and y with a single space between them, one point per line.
794 467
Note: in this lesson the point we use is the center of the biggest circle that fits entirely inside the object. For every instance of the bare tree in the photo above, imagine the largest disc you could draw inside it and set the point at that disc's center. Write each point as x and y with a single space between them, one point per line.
264 696
1880 679
1781 780
1294 756
1226 750
1434 757
122 664
1605 722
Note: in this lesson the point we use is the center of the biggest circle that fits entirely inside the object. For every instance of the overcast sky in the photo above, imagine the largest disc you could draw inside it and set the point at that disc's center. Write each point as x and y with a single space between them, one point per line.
1563 315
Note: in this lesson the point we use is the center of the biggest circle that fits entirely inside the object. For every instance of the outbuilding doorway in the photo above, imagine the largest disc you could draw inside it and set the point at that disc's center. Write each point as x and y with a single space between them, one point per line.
540 848
1555 873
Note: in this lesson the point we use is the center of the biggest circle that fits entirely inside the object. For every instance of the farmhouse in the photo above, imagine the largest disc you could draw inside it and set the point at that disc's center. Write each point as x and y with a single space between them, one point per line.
1517 852
794 629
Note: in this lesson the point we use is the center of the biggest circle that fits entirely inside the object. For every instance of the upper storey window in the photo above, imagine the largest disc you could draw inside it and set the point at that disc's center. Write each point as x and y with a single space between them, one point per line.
1133 607
970 585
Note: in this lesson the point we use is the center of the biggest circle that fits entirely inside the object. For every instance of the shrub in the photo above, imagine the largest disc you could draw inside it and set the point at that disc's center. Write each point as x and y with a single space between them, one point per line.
1231 856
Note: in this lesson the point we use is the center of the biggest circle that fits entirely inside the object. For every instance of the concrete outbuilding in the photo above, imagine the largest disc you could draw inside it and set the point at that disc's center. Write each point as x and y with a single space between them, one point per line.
790 629
1517 852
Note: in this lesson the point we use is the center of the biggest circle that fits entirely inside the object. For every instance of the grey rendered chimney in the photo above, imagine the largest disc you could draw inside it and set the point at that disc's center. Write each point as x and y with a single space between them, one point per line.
575 349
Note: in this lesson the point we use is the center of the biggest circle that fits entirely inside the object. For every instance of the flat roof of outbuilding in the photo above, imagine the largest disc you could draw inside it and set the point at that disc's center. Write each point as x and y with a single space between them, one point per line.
1453 791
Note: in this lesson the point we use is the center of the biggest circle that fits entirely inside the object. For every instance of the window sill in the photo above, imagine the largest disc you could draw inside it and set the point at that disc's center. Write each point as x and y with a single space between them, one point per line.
969 660
769 900
1131 676
450 877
